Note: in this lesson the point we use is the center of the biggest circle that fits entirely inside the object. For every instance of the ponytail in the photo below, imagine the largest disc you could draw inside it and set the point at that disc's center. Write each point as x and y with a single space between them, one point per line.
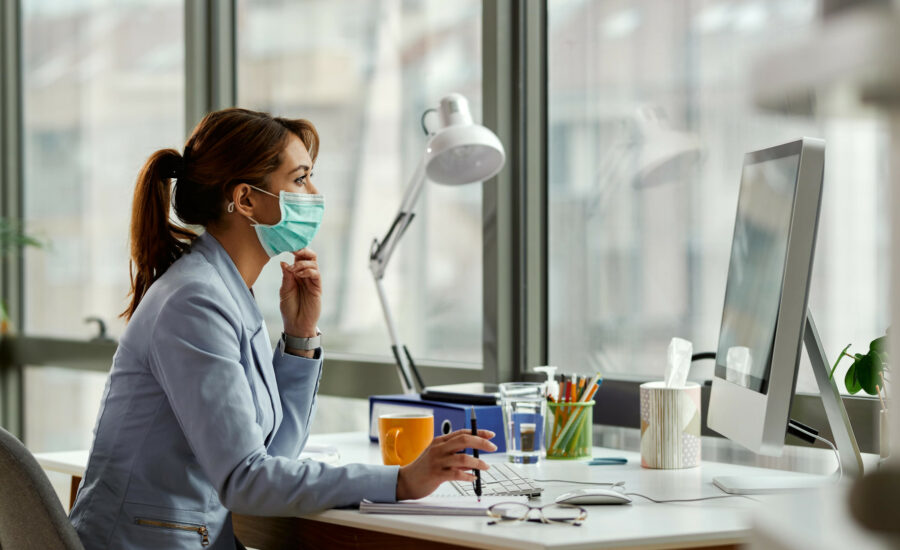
156 242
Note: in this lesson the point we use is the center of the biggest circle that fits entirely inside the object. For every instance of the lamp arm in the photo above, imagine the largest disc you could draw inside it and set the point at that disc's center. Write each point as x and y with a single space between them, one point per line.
379 256
381 251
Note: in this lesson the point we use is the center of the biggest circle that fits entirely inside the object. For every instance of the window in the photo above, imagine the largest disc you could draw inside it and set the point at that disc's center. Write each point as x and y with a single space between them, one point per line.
103 88
363 72
637 257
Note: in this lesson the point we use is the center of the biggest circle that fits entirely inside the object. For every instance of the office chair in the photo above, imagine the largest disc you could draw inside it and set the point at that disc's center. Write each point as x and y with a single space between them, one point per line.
31 515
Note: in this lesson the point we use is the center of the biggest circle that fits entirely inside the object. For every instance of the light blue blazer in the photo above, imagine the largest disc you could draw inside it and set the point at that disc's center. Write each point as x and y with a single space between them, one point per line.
199 417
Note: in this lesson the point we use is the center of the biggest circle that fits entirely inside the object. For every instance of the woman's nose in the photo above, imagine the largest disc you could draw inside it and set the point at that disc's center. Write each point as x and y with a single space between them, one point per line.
311 187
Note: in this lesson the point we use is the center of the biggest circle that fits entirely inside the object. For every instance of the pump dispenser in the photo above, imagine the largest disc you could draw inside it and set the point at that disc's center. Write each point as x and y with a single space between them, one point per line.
551 388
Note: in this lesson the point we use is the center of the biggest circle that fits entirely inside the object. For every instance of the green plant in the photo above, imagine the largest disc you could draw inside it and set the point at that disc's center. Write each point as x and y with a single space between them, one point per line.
13 238
869 371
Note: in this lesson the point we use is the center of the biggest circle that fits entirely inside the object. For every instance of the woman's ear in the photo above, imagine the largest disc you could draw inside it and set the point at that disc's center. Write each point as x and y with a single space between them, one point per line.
241 199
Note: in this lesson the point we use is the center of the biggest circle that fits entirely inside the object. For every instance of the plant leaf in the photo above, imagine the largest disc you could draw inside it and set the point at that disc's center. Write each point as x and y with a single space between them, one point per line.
840 356
868 373
850 380
879 345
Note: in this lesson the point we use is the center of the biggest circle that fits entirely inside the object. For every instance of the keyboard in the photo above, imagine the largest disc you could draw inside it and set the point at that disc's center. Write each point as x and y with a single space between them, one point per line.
501 480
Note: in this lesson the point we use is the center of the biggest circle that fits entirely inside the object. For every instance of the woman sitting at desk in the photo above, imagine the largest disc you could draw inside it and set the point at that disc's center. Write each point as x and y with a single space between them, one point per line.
199 417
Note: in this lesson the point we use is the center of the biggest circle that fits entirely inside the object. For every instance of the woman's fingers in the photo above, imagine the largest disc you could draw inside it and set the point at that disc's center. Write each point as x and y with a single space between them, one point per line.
462 461
486 434
308 273
462 475
305 254
467 441
303 264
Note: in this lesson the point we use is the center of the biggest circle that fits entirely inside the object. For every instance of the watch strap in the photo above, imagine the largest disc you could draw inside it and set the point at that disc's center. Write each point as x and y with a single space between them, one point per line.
305 344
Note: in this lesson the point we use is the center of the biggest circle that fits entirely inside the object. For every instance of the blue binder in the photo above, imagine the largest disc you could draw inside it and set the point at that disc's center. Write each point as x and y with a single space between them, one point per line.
448 417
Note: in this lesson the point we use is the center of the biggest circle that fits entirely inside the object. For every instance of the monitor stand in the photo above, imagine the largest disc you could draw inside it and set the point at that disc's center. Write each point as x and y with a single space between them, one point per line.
838 421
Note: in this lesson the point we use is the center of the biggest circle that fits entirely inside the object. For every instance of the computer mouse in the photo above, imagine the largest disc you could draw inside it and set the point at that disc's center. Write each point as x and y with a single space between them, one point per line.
594 495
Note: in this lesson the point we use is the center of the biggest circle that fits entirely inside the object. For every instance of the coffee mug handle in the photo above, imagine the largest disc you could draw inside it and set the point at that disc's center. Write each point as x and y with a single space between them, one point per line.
390 444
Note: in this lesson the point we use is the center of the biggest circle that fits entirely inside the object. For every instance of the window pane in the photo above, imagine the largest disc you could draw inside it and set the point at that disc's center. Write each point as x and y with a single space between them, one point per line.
639 251
363 72
103 89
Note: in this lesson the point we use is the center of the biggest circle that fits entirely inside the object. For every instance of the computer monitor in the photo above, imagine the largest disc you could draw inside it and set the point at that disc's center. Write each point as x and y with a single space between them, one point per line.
765 310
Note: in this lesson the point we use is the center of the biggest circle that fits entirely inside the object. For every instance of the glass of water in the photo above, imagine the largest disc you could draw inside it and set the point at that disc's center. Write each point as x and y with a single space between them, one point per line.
524 408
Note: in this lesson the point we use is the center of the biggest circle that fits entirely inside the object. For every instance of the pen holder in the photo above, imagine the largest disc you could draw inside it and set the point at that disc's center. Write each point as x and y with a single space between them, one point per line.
569 430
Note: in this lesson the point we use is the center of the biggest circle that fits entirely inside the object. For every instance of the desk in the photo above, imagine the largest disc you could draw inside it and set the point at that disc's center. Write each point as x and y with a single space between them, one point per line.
714 523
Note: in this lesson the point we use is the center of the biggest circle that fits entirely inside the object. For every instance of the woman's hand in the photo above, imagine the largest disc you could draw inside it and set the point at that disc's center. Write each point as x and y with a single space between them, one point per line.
441 461
301 294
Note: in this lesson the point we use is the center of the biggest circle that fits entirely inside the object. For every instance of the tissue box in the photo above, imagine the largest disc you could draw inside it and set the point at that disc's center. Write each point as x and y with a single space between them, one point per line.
448 417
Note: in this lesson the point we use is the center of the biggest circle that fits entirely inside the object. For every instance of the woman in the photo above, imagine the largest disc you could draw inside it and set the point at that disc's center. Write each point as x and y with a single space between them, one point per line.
199 417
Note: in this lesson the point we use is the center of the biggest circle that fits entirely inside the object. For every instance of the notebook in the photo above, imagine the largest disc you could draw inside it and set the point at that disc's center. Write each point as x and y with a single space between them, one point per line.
438 505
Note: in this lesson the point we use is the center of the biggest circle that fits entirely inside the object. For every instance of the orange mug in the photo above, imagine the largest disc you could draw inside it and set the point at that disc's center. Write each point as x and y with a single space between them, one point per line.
403 437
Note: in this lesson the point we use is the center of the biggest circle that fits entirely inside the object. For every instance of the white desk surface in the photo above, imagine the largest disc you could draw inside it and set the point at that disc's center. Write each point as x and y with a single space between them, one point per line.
641 524
817 519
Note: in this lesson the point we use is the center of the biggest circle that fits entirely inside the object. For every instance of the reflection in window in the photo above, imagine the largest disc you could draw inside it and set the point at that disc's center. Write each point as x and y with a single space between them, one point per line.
641 225
363 72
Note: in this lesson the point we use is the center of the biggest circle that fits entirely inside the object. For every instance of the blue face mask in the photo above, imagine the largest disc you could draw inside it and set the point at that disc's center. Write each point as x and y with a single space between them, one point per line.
301 215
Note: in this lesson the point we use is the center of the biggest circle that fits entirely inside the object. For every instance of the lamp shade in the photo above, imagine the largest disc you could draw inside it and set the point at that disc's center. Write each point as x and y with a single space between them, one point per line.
462 152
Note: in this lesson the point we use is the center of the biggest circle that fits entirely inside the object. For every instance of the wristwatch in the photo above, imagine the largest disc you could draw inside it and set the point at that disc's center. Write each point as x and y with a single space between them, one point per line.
305 344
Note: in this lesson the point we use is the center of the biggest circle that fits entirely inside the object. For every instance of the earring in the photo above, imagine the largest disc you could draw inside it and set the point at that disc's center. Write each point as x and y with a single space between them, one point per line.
230 207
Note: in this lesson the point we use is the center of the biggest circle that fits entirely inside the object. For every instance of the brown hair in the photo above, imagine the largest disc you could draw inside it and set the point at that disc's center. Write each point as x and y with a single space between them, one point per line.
228 147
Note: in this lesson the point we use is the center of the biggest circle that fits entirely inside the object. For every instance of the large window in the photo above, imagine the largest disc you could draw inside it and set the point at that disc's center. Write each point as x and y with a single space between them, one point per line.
363 72
103 87
640 237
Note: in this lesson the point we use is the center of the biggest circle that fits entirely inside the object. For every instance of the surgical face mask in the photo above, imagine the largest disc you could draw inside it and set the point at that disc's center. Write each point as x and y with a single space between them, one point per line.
301 215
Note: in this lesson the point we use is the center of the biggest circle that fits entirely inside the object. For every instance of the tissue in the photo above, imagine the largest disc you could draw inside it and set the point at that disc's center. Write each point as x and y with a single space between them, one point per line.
680 352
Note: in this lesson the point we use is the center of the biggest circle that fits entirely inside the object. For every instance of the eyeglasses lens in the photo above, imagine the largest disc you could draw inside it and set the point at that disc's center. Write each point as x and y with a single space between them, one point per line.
562 513
509 511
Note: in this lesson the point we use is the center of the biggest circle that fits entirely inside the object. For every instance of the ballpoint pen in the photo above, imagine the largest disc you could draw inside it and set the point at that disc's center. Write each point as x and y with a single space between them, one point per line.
475 454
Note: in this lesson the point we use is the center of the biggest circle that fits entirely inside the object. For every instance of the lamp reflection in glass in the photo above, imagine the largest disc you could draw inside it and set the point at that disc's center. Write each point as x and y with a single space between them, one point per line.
459 152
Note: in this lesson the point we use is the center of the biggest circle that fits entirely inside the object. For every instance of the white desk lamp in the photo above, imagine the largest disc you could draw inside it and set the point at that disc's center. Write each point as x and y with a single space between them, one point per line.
460 152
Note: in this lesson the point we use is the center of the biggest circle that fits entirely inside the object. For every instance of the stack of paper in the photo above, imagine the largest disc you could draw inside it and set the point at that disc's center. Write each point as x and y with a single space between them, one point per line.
438 505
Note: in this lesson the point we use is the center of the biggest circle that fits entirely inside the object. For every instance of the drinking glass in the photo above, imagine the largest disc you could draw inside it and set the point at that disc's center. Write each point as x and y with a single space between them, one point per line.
524 408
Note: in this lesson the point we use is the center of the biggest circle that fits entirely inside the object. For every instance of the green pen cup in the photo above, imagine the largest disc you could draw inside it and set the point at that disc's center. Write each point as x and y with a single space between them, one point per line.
569 430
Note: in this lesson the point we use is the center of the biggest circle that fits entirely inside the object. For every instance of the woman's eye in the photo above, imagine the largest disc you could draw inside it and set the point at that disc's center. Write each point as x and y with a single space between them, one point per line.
304 179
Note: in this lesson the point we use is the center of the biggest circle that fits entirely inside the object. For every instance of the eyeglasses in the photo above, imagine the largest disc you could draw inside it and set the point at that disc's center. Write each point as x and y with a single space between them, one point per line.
508 512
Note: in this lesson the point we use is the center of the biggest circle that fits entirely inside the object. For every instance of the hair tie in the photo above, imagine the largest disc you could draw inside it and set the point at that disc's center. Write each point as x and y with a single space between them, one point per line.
180 168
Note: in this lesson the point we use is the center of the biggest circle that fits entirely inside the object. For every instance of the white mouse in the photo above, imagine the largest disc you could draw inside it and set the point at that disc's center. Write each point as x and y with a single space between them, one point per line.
594 495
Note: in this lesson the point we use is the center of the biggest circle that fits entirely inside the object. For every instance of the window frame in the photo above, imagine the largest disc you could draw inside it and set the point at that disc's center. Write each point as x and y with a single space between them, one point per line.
514 211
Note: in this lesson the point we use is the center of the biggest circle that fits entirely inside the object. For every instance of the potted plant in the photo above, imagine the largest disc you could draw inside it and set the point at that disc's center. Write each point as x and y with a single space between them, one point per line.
870 373
12 238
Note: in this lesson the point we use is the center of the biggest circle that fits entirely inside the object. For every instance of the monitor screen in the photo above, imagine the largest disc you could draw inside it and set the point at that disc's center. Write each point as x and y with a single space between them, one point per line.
756 271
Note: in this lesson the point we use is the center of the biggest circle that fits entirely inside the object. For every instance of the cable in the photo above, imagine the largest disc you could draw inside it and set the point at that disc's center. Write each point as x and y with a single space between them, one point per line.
616 484
622 484
687 499
425 114
837 455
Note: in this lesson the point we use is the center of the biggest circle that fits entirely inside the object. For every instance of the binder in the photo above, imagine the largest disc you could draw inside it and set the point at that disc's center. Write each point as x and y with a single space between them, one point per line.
448 417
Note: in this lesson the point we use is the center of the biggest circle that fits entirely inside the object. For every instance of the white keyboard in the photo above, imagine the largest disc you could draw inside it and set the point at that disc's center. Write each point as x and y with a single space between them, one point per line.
501 480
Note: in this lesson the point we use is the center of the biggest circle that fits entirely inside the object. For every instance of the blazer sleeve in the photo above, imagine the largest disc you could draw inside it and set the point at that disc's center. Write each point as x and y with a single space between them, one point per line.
298 384
195 356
